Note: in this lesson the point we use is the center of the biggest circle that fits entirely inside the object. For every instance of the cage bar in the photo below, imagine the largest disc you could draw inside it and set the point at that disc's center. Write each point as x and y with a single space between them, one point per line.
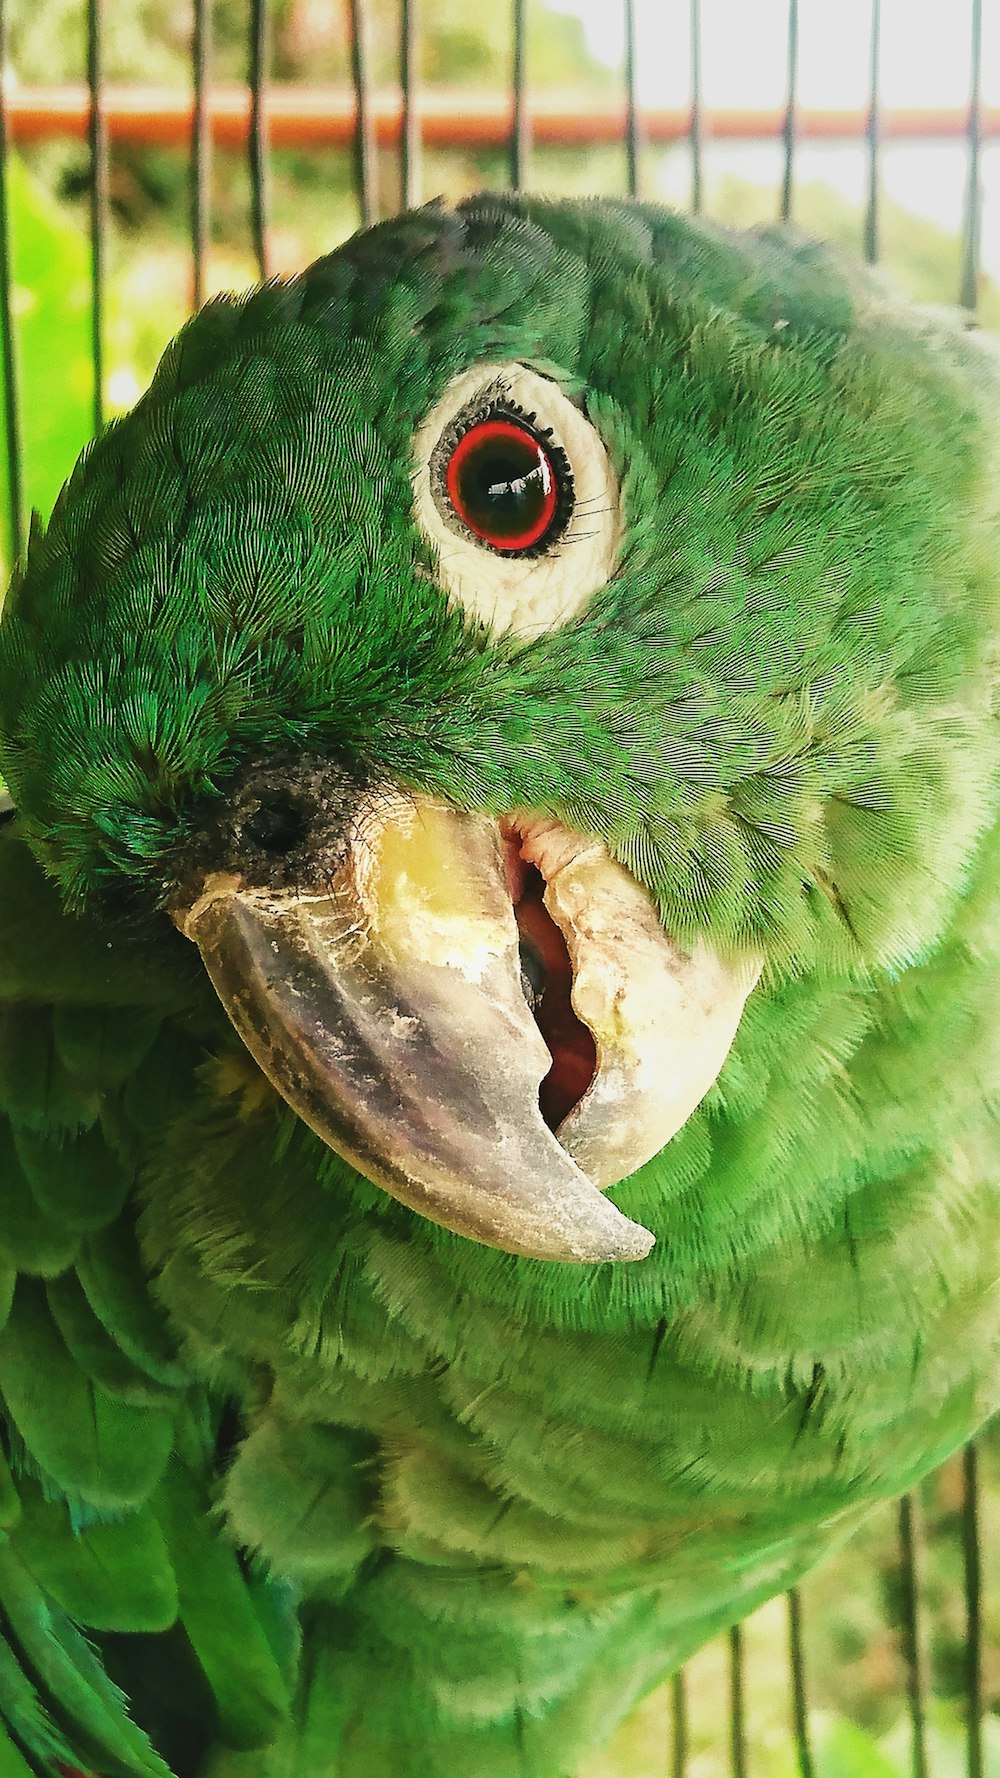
315 116
737 1704
797 1669
201 144
363 120
257 142
98 198
679 1726
913 1648
520 136
8 343
790 129
631 104
410 138
697 117
969 293
873 137
973 1612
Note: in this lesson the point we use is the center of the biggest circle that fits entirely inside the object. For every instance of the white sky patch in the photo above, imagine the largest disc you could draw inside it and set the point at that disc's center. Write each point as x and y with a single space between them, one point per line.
925 63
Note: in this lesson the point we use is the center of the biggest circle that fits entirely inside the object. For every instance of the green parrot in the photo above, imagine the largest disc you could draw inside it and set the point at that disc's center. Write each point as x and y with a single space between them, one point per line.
498 982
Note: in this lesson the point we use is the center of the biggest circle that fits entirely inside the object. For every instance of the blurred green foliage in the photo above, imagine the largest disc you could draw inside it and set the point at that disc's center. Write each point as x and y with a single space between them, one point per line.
51 305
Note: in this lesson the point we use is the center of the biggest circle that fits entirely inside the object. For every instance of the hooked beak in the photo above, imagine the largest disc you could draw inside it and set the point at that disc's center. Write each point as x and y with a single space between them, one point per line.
389 1009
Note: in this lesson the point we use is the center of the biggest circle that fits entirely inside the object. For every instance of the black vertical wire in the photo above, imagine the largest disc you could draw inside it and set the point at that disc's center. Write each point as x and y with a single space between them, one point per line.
974 195
410 165
873 137
797 1665
97 136
520 140
201 144
364 124
696 111
257 142
973 1613
913 1653
12 410
679 1726
631 103
737 1710
788 131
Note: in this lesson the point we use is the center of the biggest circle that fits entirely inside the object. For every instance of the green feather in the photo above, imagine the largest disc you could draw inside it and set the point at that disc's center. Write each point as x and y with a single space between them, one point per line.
35 1089
10 1500
412 1492
68 1670
23 1713
111 1576
113 1278
77 1181
97 1448
12 1762
217 1613
95 1352
31 1240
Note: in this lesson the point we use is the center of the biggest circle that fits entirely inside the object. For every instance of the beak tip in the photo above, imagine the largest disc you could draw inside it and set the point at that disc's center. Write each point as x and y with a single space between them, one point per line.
611 1237
637 1242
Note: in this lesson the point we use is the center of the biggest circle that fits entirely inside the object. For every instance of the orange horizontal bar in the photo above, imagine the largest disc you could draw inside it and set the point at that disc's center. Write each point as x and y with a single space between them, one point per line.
313 116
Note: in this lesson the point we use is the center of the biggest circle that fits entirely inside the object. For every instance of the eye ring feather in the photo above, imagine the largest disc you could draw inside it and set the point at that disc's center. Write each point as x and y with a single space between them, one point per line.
518 577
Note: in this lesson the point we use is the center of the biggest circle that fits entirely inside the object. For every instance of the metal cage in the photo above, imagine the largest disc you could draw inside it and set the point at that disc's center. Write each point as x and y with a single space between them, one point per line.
363 122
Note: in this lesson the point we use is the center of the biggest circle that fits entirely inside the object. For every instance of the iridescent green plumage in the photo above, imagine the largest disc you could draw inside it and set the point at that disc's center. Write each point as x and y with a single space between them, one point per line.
495 1498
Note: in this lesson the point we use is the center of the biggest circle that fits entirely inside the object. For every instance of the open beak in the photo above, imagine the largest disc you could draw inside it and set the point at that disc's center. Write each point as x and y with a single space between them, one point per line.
485 1019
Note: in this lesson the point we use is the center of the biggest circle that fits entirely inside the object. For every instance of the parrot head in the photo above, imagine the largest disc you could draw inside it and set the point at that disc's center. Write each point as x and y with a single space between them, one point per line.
505 650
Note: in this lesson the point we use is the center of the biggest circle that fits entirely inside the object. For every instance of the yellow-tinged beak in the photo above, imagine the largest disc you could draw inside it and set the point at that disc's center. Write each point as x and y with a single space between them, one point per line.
388 1009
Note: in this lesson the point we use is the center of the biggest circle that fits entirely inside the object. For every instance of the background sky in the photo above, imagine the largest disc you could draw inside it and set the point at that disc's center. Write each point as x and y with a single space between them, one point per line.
925 62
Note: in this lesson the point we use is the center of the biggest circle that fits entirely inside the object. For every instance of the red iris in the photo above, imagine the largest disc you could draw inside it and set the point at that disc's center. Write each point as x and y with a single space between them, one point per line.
503 485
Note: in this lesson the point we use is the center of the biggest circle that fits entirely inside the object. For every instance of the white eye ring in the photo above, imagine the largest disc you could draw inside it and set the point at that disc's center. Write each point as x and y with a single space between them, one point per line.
521 595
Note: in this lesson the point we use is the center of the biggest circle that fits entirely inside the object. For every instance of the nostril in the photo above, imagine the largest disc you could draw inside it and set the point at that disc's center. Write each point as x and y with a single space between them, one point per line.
277 825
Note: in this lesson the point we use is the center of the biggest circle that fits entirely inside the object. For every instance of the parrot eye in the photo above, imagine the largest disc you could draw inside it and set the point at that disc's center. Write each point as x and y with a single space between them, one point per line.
516 495
277 825
507 484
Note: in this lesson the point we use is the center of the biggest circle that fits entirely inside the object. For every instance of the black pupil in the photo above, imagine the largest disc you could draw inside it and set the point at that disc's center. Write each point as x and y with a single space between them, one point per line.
275 825
503 485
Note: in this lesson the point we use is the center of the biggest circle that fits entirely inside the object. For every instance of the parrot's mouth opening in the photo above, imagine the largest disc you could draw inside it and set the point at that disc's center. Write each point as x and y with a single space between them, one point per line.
487 1018
547 984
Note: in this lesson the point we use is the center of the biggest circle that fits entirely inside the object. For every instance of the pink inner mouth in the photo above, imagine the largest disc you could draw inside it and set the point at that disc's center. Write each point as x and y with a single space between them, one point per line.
544 953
